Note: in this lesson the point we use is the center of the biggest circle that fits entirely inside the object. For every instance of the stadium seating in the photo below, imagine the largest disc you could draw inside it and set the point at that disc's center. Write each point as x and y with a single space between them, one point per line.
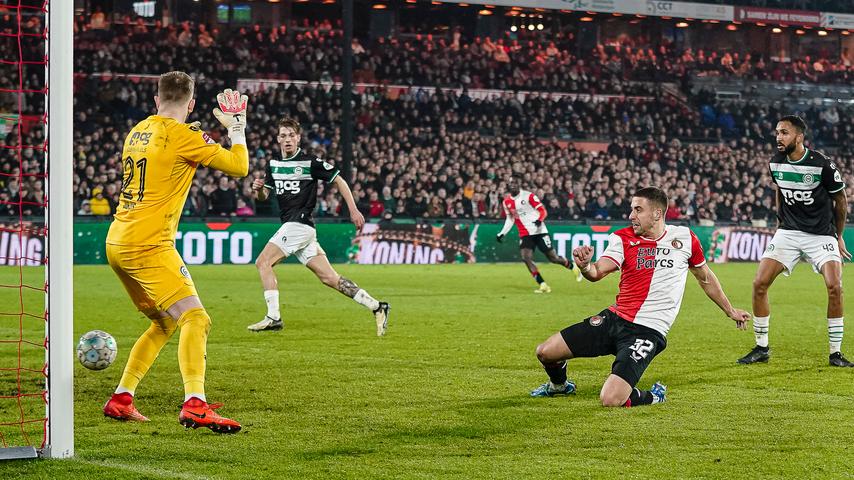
445 149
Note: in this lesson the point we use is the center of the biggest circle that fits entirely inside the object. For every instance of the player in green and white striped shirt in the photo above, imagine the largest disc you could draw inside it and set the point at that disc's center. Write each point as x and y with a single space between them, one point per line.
811 208
293 179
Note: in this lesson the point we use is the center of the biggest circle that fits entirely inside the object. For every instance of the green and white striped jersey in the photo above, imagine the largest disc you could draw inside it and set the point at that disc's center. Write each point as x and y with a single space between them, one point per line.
294 181
805 188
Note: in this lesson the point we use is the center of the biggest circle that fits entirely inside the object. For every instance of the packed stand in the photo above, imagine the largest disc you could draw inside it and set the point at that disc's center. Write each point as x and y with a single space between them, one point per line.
22 68
22 83
422 155
522 60
831 126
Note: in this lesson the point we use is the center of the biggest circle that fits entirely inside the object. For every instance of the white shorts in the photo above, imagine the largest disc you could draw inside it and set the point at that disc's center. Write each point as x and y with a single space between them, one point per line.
788 246
294 238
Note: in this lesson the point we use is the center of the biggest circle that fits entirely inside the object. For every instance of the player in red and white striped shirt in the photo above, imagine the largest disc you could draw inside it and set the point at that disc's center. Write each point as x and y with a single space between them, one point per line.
654 260
525 210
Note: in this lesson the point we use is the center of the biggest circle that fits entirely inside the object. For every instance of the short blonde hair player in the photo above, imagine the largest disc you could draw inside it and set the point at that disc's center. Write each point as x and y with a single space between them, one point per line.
159 159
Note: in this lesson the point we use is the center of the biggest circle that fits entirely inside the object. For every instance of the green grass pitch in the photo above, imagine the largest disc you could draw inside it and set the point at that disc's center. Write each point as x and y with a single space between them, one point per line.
445 393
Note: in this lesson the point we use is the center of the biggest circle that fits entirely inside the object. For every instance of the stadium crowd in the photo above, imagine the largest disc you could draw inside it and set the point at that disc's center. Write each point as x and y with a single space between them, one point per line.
425 152
435 164
521 60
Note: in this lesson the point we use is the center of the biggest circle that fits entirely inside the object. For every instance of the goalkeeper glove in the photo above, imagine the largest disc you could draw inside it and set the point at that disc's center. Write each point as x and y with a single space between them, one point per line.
232 114
499 238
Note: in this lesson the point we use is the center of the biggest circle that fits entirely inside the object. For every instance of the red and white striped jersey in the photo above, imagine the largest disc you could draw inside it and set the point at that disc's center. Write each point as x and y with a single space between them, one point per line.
523 209
652 274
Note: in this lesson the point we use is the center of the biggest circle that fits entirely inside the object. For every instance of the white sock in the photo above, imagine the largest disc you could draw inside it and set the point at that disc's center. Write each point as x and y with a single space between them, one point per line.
272 299
556 388
834 333
200 396
364 298
760 330
125 390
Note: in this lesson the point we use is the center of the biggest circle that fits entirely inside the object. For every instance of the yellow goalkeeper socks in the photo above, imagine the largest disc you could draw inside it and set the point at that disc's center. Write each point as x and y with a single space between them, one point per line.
145 352
192 347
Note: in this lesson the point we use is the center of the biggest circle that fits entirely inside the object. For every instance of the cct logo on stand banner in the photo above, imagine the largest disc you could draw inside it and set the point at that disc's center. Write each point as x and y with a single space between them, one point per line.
659 8
689 10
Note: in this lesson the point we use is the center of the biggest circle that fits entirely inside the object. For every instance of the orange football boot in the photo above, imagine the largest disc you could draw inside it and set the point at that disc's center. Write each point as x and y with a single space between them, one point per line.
197 413
120 406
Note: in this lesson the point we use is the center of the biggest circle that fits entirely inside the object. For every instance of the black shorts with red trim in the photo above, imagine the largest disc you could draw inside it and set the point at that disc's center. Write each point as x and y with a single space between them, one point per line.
633 346
541 241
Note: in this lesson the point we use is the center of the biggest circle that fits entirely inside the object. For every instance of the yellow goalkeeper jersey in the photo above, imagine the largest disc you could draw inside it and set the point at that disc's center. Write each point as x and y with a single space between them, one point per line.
159 160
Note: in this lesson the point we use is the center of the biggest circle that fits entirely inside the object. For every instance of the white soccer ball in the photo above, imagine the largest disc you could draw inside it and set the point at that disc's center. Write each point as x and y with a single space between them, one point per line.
96 350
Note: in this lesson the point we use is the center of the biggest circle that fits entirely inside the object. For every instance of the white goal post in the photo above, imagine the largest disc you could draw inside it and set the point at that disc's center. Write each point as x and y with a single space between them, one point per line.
58 370
59 435
57 440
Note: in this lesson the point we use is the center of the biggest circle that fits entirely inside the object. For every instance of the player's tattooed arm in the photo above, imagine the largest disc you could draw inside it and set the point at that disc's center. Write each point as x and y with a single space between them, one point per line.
347 287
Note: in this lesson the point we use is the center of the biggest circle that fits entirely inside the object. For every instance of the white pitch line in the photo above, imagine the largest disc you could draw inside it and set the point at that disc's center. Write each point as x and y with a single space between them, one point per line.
136 468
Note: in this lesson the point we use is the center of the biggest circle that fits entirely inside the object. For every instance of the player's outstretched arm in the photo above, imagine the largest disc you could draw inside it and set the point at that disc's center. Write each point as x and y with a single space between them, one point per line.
840 216
355 216
712 287
234 163
593 271
508 224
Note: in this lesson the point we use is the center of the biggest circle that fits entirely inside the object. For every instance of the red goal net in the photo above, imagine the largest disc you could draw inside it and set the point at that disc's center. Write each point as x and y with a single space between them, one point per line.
23 201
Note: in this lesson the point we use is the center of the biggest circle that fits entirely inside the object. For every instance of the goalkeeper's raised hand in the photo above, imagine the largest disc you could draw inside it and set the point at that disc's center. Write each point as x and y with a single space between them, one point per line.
231 113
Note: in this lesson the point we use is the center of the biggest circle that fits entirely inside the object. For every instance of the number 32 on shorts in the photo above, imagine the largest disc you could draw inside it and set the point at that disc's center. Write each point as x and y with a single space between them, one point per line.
641 349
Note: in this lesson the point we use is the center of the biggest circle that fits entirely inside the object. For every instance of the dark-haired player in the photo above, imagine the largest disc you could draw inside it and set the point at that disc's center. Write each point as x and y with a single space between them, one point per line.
293 177
653 259
527 212
811 208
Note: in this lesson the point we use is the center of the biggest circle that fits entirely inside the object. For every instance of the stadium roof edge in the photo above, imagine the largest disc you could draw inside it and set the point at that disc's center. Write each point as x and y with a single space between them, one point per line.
684 10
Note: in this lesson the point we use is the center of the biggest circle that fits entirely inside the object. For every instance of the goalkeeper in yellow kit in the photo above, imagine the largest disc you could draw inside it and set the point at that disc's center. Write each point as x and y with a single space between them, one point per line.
160 157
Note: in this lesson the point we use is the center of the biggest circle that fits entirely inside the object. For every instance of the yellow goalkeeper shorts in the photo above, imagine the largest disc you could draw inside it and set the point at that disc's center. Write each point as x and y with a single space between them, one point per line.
155 277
